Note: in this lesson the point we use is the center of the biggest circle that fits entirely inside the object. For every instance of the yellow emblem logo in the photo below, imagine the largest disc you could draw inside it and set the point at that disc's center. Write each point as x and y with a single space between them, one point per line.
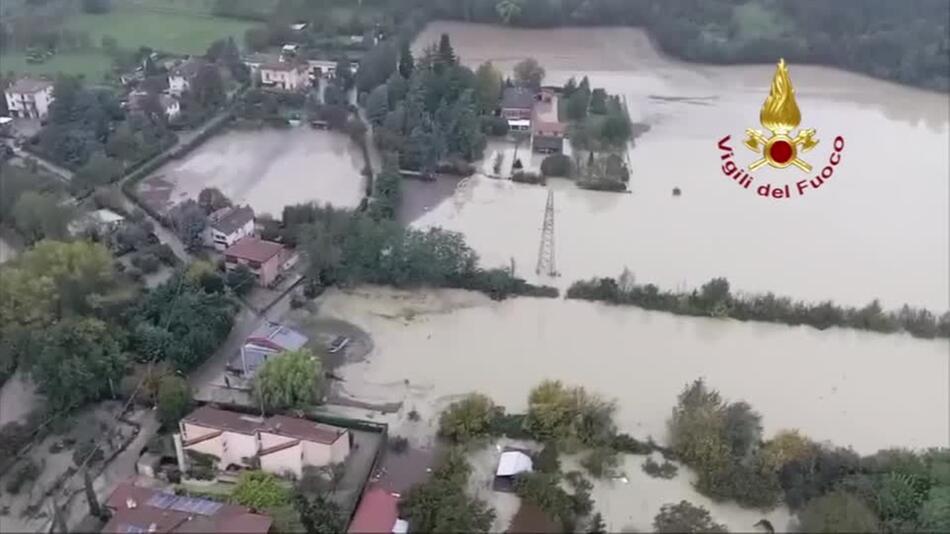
780 115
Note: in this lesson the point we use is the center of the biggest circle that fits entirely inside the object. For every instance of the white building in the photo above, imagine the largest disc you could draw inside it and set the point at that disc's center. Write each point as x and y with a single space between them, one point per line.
181 76
29 98
170 106
284 75
324 68
279 444
227 226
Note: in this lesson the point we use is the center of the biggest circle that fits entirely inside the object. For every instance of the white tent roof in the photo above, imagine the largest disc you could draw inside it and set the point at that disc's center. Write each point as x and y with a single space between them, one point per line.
400 527
512 463
519 122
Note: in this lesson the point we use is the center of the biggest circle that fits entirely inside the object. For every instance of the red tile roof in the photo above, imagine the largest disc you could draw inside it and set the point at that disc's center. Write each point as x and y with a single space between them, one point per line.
291 427
209 417
303 429
377 512
253 249
136 509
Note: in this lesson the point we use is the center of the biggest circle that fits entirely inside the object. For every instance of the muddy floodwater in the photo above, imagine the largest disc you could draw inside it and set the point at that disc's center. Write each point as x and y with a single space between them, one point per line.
267 169
859 389
877 228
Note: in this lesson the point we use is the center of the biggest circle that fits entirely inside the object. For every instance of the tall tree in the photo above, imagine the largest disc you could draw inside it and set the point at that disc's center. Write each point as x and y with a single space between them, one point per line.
377 105
442 504
838 512
260 491
684 517
292 379
40 215
488 84
529 73
406 62
174 400
446 54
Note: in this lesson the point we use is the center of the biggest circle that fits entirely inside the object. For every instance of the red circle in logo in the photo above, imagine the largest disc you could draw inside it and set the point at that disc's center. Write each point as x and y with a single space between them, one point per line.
781 151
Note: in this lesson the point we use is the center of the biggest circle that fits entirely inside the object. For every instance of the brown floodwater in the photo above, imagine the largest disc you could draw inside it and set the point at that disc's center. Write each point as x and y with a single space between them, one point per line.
268 169
878 228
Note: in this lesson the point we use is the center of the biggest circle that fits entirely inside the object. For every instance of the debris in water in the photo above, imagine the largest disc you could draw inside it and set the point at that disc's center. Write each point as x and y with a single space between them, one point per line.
676 191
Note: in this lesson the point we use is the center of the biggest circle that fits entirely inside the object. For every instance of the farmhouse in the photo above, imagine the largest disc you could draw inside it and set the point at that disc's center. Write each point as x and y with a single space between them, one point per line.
281 445
284 75
517 104
181 75
263 258
269 339
229 225
255 60
138 509
29 98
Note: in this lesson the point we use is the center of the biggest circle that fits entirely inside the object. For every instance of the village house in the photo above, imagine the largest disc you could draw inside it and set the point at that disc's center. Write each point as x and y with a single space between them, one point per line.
181 75
378 512
322 68
169 105
264 258
284 75
136 509
266 341
547 130
229 225
278 444
254 62
102 222
29 98
517 104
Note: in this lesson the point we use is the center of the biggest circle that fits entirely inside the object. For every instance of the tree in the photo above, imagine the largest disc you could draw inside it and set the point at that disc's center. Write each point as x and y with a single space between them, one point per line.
292 379
557 165
99 170
256 38
77 361
96 6
241 280
319 515
260 491
208 87
189 221
508 10
40 215
488 85
528 73
786 446
598 101
174 400
569 415
685 517
344 74
442 504
446 54
468 419
406 63
935 512
837 512
211 199
377 105
616 130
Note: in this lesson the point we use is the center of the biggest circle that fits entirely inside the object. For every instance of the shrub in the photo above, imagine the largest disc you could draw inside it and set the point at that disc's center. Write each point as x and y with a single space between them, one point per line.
523 177
601 462
665 470
492 125
146 262
557 165
398 444
468 419
27 472
547 460
628 444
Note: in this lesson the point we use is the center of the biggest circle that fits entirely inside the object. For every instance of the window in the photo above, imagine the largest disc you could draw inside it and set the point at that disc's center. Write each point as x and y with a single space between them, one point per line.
254 264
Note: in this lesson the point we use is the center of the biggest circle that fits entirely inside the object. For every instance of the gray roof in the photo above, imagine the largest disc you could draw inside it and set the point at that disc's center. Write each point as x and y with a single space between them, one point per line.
228 220
277 336
548 142
29 86
189 68
517 98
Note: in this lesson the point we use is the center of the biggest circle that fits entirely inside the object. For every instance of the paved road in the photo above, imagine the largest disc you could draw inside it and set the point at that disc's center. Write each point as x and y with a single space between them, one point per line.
62 173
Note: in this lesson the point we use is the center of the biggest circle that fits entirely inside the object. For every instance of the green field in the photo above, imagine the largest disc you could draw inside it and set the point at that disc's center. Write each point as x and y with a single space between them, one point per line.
93 64
168 32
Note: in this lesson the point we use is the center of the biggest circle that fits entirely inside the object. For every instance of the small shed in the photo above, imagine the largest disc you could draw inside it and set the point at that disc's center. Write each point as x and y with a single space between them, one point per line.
512 463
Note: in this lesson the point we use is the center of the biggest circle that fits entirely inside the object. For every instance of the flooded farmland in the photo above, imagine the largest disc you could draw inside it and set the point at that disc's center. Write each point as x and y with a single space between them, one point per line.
850 240
267 169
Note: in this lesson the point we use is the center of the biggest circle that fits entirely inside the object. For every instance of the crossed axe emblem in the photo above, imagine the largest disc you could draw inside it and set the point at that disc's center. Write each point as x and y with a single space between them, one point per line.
780 150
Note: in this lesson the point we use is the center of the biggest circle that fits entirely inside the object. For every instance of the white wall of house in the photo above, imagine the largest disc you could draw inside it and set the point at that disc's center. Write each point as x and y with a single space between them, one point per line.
230 447
220 241
288 80
177 84
173 109
320 454
288 462
30 105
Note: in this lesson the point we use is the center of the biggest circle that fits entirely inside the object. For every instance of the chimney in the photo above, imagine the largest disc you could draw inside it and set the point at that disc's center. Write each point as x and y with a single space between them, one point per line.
180 453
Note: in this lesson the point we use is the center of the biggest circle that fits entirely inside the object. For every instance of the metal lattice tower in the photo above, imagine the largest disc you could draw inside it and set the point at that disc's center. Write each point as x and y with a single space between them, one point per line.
546 249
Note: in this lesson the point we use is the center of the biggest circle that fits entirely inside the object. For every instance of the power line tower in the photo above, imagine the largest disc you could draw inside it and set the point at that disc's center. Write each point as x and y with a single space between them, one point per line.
546 249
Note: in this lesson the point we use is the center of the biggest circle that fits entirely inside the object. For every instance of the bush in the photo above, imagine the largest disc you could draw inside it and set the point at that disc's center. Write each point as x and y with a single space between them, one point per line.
601 462
468 419
665 470
510 425
398 444
628 444
523 177
27 472
557 165
146 262
492 125
602 184
547 460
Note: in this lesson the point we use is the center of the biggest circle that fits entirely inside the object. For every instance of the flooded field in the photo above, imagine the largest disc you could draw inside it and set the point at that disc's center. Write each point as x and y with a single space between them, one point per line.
431 347
849 240
267 169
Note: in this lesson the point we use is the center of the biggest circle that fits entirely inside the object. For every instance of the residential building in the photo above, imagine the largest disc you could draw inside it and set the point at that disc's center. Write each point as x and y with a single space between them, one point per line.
512 463
547 144
378 512
279 444
29 98
322 68
267 340
102 222
181 75
254 62
284 75
545 120
229 225
136 509
517 103
263 258
169 105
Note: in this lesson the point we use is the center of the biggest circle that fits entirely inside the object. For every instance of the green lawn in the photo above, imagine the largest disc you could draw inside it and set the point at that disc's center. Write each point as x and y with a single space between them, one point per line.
175 33
93 64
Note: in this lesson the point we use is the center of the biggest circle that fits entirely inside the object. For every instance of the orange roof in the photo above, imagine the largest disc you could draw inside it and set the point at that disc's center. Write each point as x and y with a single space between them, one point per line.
254 249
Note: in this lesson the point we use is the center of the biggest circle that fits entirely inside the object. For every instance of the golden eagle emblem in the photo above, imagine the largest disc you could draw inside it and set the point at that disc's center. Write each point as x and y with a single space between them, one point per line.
780 115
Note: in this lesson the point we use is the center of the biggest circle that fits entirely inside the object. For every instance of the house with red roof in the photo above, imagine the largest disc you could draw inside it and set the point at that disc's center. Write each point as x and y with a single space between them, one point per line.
378 512
263 258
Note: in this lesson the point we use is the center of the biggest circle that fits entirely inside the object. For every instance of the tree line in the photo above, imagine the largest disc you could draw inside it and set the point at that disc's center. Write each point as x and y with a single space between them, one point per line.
714 299
902 41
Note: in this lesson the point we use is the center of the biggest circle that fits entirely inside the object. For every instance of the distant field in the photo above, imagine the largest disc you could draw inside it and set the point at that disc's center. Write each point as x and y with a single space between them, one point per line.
93 64
169 32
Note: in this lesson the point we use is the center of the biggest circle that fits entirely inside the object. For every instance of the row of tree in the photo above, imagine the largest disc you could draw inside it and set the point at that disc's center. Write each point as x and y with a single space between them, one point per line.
714 299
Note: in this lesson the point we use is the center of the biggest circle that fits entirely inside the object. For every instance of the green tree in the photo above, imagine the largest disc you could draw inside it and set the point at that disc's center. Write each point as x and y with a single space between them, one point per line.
577 105
189 221
488 85
508 10
468 419
99 170
685 517
174 400
208 87
319 515
838 511
40 215
292 379
935 512
241 280
377 105
529 73
598 101
442 504
77 361
406 63
260 491
446 54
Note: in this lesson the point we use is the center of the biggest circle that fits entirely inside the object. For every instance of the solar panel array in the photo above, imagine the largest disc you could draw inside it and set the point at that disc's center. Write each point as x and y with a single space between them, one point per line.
191 505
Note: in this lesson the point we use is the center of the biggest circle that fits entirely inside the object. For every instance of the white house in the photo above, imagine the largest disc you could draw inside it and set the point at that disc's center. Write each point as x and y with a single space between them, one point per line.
181 76
29 98
227 226
284 75
170 106
324 68
279 444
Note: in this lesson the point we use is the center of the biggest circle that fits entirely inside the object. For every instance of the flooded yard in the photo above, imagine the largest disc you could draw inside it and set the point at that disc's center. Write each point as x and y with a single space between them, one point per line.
848 241
267 169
